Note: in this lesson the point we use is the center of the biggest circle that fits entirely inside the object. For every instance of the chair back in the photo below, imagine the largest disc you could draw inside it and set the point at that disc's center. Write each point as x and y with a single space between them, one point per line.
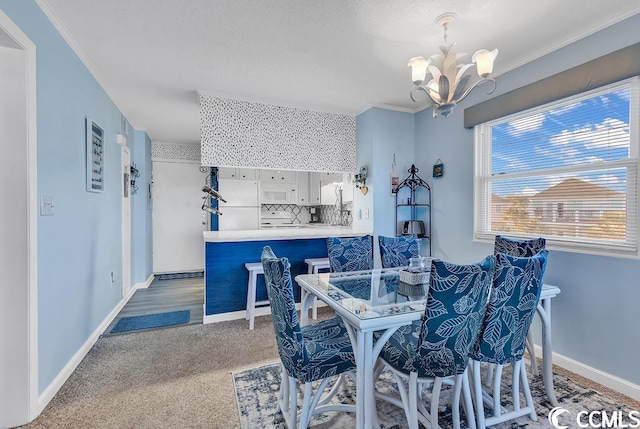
514 299
523 248
289 338
396 251
456 303
350 254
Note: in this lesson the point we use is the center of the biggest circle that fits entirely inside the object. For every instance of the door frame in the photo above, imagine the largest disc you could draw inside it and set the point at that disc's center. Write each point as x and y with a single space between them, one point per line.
126 219
19 346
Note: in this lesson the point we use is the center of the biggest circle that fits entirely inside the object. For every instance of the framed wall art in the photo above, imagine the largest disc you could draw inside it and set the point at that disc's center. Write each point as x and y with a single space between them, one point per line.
95 156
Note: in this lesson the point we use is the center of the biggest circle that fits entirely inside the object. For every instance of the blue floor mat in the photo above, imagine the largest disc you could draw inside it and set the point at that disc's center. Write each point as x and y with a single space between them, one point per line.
152 321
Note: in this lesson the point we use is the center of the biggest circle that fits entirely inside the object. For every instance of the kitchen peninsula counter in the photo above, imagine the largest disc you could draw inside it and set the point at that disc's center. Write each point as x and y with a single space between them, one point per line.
226 252
282 233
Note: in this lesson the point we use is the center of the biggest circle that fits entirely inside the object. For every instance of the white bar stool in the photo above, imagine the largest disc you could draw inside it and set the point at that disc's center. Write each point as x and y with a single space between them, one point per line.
254 268
314 265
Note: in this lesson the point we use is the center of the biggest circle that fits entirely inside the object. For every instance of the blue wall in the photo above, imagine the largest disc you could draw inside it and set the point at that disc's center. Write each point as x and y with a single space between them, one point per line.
595 316
380 134
80 245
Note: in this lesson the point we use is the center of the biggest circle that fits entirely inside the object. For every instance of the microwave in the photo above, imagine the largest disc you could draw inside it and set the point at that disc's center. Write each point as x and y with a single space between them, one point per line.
278 193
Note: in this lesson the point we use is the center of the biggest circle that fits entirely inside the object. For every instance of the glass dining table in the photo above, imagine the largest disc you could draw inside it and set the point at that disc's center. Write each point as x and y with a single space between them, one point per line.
378 301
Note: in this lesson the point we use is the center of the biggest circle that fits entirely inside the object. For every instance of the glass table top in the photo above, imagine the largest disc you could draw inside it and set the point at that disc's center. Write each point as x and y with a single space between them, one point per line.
368 294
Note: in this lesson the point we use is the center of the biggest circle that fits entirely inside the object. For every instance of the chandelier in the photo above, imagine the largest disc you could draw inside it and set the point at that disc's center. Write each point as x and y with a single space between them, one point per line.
449 84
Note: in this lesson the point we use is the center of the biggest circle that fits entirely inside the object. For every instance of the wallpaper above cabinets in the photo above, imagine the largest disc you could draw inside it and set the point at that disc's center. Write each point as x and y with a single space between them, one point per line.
237 133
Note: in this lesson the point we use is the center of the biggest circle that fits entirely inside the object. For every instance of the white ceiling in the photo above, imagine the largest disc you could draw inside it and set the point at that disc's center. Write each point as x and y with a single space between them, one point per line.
153 57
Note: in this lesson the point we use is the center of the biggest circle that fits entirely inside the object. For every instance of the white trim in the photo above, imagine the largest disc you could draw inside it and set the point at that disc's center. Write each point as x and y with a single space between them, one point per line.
50 391
29 48
145 284
611 381
235 315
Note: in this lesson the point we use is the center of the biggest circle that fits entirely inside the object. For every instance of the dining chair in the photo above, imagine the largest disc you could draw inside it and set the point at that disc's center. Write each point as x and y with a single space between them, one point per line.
396 251
350 253
524 248
517 284
438 348
315 352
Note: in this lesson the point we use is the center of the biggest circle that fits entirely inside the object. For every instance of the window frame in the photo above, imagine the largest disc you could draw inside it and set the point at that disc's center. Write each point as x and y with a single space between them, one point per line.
482 179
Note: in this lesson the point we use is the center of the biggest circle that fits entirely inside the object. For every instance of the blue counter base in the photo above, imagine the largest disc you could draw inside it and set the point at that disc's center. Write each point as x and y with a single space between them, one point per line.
226 277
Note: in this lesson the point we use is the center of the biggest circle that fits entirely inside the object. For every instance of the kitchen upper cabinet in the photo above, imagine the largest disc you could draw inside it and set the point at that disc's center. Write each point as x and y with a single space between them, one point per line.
278 176
314 188
347 187
237 173
330 183
303 188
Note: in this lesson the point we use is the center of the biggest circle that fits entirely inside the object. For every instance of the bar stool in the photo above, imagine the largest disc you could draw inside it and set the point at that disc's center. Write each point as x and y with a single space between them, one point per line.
314 265
254 268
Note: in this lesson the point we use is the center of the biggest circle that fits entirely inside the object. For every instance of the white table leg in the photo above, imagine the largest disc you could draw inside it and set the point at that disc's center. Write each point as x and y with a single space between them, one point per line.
544 310
360 379
305 300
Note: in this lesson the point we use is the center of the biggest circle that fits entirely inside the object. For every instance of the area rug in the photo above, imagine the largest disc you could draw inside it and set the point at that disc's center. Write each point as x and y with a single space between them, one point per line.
152 321
257 394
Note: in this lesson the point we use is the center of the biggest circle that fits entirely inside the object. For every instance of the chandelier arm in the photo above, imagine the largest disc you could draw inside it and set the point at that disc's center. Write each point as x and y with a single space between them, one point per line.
421 88
475 85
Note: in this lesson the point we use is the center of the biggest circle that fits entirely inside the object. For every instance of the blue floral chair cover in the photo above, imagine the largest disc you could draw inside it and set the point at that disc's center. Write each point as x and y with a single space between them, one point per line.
396 251
522 248
440 345
350 254
525 248
313 352
513 302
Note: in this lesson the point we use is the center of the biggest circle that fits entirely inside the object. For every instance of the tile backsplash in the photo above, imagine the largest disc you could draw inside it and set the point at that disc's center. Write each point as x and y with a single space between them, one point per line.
327 214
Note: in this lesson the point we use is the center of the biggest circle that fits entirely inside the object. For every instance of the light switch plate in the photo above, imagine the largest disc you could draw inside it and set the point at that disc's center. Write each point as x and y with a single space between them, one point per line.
46 206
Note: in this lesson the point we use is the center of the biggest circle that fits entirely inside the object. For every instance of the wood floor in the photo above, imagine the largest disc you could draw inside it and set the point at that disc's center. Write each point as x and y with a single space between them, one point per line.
164 296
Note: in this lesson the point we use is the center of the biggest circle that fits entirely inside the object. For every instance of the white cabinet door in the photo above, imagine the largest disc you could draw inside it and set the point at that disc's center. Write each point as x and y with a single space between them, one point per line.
314 188
177 217
238 193
246 173
347 187
303 188
277 176
226 173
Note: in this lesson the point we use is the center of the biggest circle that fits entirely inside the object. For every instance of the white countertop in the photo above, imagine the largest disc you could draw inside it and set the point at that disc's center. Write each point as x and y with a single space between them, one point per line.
283 233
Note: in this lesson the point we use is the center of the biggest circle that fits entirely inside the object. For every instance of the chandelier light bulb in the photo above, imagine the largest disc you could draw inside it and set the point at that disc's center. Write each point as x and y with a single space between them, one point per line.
484 61
418 69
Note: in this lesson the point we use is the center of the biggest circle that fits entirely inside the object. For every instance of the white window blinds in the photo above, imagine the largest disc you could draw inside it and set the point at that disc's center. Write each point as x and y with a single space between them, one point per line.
566 171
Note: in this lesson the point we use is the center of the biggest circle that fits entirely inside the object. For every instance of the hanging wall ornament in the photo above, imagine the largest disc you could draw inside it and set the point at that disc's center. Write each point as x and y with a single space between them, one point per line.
395 179
438 168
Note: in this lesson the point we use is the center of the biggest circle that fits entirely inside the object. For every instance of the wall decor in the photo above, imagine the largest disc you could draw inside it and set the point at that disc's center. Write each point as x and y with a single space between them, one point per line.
360 180
94 139
235 133
395 179
438 169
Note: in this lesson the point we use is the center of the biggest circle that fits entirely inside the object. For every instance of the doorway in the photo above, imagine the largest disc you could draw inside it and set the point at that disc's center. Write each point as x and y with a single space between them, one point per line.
18 228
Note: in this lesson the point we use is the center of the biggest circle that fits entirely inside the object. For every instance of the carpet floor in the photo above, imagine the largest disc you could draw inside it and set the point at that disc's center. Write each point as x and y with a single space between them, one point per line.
178 377
257 394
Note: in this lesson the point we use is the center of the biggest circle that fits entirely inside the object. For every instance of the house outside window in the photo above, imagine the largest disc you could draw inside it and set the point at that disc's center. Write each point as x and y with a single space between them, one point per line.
566 171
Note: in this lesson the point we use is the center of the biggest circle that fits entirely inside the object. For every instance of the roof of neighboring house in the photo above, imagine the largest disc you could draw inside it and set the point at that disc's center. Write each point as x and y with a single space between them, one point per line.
572 189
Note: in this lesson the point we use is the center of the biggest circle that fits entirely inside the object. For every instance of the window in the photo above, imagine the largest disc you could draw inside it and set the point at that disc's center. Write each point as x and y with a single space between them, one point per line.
566 171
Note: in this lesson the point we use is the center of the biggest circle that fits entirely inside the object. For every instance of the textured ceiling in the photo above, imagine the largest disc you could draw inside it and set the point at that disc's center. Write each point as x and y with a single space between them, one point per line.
153 57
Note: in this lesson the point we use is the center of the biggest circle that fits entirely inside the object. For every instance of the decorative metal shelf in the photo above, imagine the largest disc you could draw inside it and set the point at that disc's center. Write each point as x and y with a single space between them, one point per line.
413 182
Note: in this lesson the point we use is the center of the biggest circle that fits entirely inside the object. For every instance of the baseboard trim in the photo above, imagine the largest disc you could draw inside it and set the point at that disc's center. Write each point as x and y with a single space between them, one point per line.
145 284
235 315
48 393
608 380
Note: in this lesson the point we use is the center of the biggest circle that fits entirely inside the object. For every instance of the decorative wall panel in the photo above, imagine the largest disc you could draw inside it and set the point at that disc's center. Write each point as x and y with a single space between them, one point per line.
169 151
237 133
